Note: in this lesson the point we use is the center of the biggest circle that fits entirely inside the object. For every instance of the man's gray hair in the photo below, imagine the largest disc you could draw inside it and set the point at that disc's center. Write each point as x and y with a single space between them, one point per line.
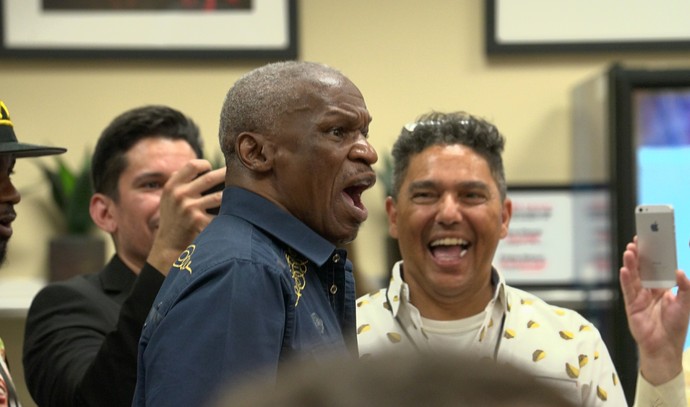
260 97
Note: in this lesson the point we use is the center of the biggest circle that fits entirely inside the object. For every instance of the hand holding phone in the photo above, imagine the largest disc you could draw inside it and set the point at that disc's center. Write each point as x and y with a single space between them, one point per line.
656 245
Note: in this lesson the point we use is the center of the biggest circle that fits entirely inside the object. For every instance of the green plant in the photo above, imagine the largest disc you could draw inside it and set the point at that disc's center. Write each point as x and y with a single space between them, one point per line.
71 192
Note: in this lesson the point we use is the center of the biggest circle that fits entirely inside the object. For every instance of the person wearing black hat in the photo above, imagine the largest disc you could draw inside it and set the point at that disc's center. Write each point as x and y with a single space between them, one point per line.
10 150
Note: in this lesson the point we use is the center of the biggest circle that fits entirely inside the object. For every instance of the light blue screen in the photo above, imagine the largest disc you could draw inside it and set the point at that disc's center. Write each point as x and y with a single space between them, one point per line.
662 135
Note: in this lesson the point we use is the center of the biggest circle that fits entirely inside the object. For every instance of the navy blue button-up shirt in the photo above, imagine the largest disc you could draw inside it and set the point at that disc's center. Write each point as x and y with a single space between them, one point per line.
256 288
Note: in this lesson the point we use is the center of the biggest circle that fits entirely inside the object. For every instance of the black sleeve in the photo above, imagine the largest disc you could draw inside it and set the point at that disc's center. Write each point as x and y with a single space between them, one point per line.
72 354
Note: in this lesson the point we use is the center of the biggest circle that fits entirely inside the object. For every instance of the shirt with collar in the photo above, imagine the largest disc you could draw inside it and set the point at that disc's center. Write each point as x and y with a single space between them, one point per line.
256 288
558 345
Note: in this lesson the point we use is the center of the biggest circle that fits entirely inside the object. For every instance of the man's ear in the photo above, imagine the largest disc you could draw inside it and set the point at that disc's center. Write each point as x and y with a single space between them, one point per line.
102 210
255 151
506 215
392 212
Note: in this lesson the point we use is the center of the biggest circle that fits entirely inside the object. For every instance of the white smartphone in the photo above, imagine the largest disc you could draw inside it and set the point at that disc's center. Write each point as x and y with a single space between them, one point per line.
656 245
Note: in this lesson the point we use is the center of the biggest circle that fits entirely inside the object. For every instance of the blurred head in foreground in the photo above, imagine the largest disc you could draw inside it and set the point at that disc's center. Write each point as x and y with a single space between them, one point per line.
399 380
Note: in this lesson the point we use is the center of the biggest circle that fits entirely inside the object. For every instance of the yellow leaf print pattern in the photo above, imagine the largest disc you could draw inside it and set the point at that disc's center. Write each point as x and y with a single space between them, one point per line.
532 324
601 393
567 335
394 337
538 355
582 359
572 371
509 334
363 328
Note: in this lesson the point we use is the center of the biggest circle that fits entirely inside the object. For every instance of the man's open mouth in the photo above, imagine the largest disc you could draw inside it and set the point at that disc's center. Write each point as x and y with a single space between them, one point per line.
449 248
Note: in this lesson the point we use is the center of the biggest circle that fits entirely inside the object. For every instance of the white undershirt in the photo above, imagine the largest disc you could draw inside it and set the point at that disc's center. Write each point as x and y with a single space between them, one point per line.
454 335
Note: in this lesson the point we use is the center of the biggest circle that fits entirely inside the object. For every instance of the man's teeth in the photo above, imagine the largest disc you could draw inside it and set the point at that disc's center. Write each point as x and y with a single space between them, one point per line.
449 241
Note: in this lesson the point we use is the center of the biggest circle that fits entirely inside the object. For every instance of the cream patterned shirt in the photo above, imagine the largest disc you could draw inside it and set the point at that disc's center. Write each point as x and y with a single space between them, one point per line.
558 345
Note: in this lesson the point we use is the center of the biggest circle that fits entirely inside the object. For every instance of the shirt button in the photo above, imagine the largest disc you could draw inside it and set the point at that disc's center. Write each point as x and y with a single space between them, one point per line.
334 289
336 258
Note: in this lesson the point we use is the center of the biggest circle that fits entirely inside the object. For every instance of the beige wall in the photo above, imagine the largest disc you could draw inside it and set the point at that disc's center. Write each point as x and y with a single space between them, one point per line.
407 57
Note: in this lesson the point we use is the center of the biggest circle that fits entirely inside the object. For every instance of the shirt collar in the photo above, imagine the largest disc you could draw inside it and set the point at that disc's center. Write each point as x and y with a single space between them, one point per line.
499 284
277 222
116 276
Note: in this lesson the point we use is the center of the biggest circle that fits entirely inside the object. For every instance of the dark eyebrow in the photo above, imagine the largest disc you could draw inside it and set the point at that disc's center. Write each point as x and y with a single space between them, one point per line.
423 184
474 185
460 185
354 115
147 176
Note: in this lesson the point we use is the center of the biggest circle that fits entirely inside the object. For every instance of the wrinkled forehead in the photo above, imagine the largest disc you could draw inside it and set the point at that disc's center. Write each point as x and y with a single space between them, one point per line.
328 91
325 81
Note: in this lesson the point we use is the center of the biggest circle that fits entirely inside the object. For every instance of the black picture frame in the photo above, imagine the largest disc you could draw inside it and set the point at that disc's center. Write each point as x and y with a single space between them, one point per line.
227 35
532 18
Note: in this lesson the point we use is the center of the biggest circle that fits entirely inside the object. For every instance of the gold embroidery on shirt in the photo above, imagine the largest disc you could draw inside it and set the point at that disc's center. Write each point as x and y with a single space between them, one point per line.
393 337
363 302
585 328
363 328
532 324
184 262
615 379
509 334
596 355
298 268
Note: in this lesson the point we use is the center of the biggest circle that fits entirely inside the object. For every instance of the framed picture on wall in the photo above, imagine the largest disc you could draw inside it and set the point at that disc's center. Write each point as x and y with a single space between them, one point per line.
245 29
541 26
